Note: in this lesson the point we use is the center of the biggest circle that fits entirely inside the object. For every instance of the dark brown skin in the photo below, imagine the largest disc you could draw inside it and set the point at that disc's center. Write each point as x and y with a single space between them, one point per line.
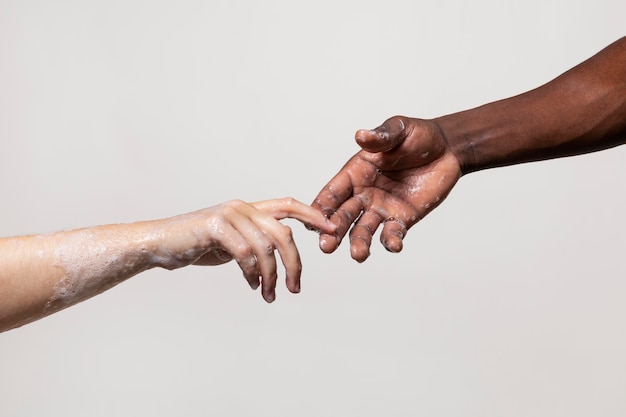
408 166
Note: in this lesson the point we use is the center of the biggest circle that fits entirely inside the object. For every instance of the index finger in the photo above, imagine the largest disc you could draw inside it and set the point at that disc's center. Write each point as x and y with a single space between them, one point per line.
292 208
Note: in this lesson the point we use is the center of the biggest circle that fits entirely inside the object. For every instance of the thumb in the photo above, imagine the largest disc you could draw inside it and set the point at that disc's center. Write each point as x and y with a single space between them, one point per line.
385 137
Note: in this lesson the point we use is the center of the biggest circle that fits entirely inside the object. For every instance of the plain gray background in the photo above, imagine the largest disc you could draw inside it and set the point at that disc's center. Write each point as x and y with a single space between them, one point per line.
508 300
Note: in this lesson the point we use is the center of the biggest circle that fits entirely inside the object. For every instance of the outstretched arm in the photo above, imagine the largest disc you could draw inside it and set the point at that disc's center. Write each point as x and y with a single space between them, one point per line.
583 110
42 274
408 166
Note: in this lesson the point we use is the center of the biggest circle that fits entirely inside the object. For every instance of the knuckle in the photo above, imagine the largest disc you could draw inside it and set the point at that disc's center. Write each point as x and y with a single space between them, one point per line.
264 245
345 214
243 252
361 231
228 210
235 204
285 233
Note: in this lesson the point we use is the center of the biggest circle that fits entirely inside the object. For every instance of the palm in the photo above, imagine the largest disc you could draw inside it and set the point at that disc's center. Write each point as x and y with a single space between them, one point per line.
396 187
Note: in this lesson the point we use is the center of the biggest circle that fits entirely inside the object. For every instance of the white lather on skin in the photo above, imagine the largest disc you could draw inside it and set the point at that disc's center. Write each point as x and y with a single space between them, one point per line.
91 265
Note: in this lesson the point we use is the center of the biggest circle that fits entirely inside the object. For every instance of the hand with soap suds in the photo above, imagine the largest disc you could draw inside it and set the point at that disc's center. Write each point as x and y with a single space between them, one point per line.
43 274
407 166
404 171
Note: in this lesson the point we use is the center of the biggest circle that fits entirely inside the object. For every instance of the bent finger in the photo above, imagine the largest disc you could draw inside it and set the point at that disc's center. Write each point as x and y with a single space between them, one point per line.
282 239
343 219
362 233
236 246
266 234
290 257
392 235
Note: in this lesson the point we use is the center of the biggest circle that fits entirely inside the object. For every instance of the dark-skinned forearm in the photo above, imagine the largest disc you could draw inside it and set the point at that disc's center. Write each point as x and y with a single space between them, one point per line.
583 110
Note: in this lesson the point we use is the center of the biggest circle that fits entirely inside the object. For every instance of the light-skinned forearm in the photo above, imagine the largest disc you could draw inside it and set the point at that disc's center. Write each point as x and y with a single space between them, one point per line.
42 274
583 110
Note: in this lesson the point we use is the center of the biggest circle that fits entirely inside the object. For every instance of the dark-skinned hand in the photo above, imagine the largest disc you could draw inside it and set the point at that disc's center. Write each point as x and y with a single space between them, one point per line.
404 170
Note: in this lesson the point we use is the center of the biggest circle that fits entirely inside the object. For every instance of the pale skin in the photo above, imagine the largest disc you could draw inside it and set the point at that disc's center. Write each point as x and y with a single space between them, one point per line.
408 166
43 274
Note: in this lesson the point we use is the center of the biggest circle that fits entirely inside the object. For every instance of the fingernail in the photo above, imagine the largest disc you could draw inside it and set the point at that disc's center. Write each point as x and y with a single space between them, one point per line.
297 288
254 285
270 297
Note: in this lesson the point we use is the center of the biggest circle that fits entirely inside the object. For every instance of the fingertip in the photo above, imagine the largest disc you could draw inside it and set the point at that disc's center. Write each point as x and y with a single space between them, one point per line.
360 243
269 297
385 137
328 243
365 135
325 227
372 140
292 279
319 204
393 244
359 254
253 280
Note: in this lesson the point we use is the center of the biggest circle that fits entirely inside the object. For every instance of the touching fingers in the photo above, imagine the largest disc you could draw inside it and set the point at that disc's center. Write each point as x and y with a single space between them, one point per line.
292 208
342 218
334 194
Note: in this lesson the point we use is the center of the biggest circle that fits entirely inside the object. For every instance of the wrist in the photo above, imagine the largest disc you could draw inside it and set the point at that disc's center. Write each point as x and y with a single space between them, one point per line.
501 133
171 243
454 131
